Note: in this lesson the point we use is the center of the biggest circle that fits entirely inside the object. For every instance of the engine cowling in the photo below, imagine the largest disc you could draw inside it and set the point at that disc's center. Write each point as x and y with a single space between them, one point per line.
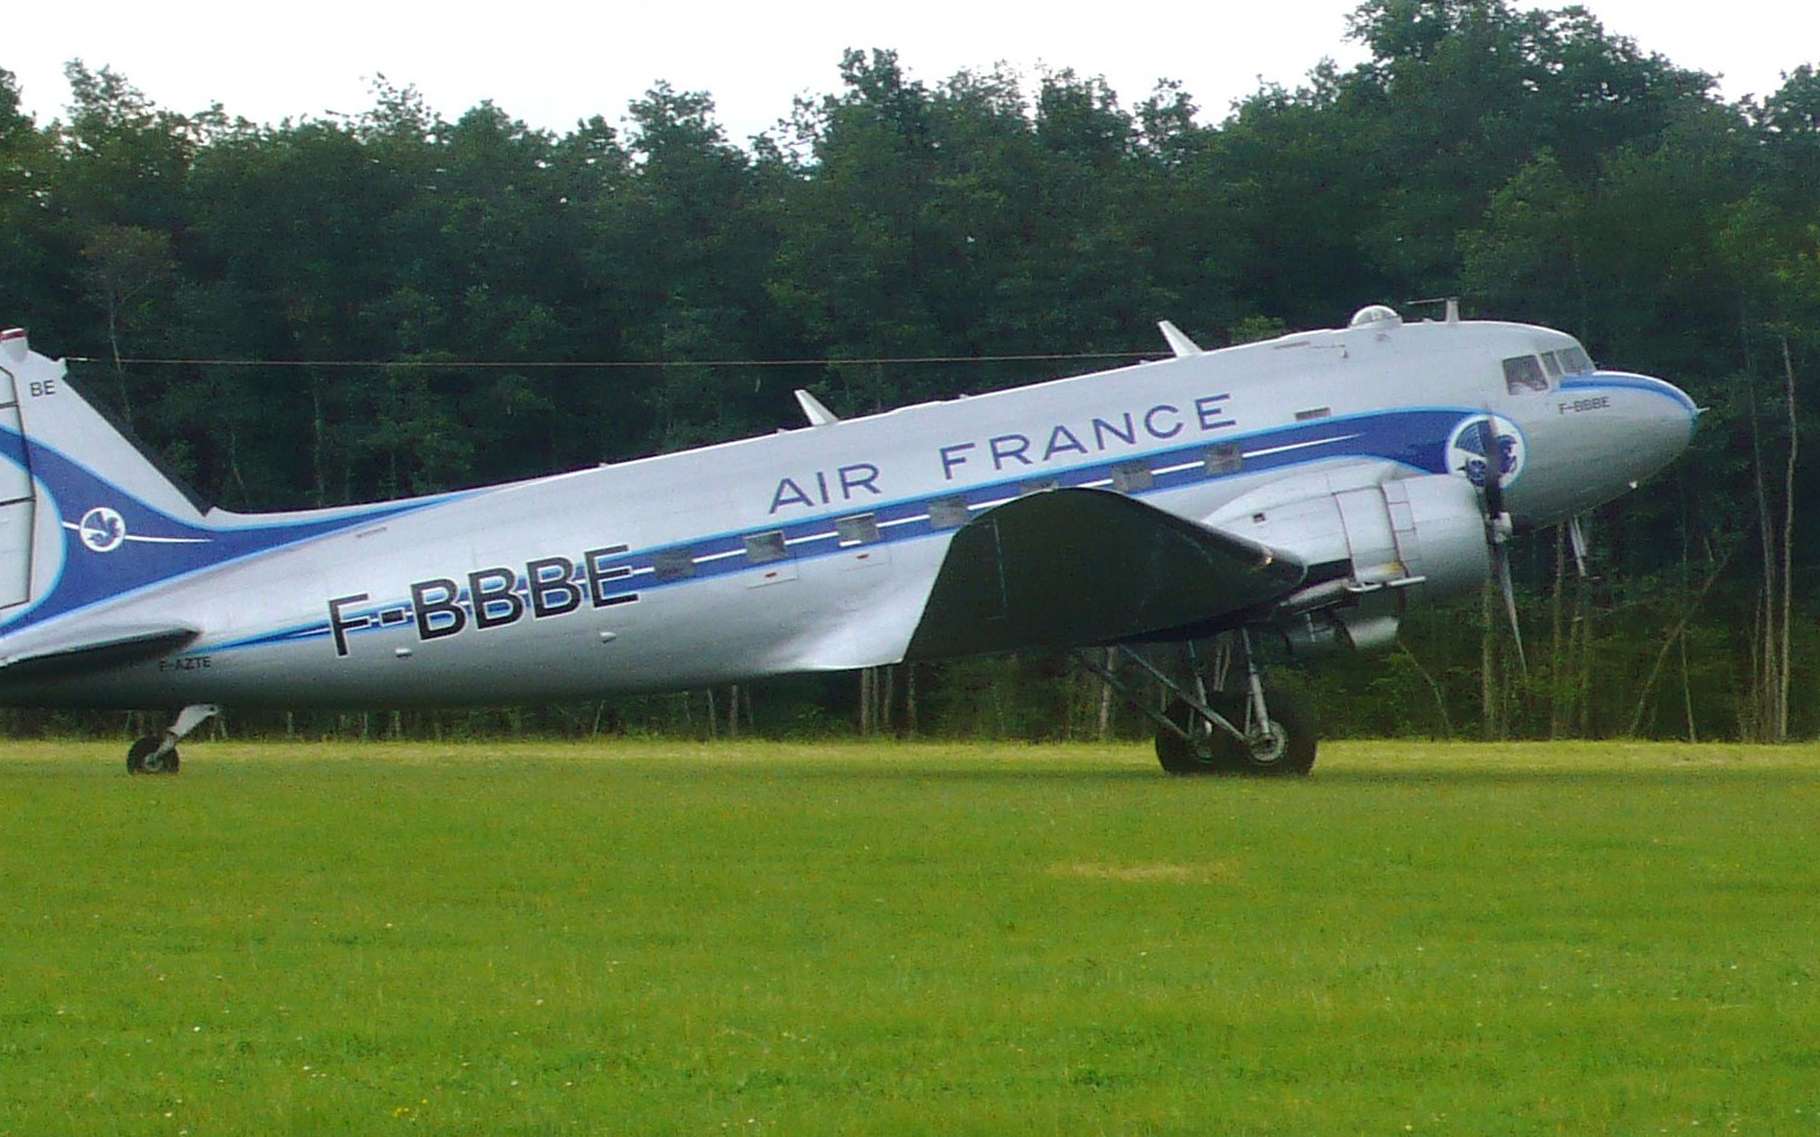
1384 544
1429 527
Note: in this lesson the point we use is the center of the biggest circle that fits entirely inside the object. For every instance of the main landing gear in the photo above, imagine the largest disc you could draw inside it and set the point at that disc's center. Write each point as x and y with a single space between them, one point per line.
157 754
1205 730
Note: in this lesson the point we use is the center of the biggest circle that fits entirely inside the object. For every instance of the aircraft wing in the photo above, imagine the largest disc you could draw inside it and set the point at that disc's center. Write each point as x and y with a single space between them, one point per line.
1075 566
96 647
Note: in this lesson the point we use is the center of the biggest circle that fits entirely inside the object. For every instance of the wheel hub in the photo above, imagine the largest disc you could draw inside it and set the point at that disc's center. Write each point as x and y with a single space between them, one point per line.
1267 746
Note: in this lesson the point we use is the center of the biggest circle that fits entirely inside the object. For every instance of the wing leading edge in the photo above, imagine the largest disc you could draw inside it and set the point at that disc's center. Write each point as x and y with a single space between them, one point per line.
1075 566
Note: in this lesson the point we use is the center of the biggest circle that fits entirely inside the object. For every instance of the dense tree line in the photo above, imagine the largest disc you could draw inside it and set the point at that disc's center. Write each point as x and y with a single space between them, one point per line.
1530 162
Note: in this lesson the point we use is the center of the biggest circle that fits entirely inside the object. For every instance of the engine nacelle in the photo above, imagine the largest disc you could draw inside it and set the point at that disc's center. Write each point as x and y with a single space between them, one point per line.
1399 539
1369 627
1430 527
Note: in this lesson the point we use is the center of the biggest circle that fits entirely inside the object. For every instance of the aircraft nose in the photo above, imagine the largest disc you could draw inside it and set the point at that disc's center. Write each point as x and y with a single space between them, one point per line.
1660 420
1602 435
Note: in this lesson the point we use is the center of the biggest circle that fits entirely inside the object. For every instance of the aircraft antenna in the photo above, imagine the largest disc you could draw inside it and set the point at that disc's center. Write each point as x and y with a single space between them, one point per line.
1178 340
813 410
1450 306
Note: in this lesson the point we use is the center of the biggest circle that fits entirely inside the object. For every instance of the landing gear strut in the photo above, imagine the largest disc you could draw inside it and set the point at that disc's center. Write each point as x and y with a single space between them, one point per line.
1210 731
157 754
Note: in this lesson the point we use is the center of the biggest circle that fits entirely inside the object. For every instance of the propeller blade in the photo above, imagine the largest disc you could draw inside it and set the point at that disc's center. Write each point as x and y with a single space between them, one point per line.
1497 529
1501 554
1576 534
1494 469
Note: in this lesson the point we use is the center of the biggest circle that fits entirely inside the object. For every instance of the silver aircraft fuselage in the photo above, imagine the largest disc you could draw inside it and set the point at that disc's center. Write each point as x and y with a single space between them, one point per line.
810 549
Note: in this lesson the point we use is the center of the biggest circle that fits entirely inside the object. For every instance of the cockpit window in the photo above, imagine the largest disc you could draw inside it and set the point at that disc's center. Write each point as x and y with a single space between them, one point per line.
1551 362
1523 375
1576 360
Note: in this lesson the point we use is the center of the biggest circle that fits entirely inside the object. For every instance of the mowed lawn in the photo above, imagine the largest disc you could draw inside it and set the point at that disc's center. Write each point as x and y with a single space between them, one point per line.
784 938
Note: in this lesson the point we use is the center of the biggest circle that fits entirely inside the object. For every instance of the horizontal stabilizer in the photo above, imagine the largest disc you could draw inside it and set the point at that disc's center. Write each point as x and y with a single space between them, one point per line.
1070 567
97 648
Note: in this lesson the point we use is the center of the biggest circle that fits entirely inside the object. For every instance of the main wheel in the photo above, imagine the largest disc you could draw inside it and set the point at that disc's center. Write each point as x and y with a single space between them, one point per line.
142 757
1199 753
1285 749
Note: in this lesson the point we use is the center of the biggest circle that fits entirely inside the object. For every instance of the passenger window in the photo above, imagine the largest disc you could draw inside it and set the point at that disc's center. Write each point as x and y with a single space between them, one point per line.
1224 458
674 564
1132 477
763 548
861 529
948 513
1523 375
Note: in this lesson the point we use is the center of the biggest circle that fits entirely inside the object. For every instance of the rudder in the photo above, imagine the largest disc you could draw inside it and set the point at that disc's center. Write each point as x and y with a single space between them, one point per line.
18 504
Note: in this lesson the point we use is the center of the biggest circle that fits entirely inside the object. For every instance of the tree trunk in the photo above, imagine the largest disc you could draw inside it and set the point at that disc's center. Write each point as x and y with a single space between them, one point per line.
1687 690
1768 684
317 425
1687 614
1788 544
1433 687
1556 659
1105 718
1583 670
113 342
1488 660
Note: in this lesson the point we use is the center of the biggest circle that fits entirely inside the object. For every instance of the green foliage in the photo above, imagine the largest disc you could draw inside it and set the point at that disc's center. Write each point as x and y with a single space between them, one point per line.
1528 160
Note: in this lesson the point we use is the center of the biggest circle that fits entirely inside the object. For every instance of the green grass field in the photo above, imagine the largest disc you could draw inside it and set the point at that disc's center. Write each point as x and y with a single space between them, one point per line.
787 939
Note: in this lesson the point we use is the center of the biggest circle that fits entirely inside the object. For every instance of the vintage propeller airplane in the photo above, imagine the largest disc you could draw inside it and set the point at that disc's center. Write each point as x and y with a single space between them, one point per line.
1312 486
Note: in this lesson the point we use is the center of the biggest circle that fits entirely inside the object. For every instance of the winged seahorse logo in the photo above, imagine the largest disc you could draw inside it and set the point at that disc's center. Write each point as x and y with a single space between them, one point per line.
102 529
1466 450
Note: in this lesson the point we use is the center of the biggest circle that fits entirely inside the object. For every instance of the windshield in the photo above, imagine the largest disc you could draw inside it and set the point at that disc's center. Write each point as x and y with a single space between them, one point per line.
1523 375
1575 361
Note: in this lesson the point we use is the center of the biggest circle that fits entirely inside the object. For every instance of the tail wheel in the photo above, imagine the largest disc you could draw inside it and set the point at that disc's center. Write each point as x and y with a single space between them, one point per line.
143 757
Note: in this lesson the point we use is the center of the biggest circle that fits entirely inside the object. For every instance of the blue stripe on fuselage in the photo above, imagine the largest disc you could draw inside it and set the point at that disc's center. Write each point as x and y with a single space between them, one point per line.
1415 438
1625 381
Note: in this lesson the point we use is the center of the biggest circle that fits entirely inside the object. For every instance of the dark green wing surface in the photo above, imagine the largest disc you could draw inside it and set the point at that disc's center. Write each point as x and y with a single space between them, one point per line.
1069 567
96 649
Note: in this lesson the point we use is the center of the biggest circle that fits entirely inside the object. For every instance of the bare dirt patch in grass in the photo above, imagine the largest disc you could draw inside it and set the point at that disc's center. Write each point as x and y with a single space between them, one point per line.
1159 872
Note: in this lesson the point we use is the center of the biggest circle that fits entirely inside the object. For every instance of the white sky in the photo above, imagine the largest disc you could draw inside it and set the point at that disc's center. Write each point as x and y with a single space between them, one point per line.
552 64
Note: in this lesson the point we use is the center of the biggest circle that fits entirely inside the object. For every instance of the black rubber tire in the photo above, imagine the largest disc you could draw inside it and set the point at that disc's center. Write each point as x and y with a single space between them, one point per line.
1212 752
1297 722
142 749
1220 753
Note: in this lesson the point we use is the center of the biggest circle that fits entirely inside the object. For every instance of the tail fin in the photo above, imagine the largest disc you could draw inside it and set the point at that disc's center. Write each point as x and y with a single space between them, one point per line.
18 502
57 417
87 518
66 472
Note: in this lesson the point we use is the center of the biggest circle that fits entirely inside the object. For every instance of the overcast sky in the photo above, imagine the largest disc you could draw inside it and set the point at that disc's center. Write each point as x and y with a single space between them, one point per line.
552 65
